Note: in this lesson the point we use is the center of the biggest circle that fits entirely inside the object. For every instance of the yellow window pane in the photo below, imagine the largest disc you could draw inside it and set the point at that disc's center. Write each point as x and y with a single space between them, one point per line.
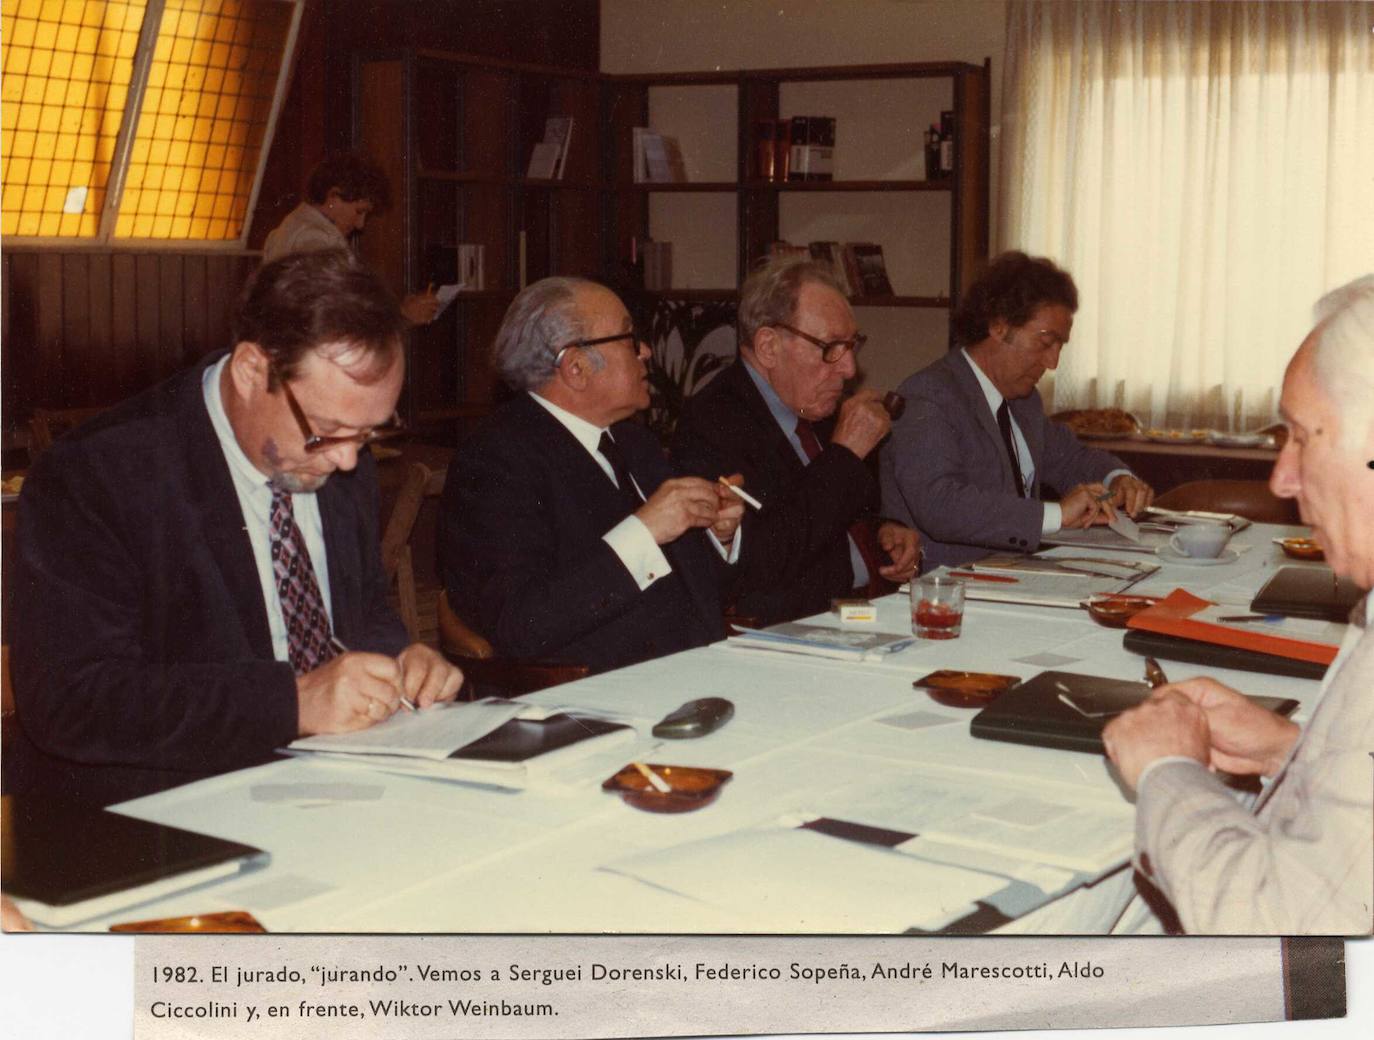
22 33
23 143
66 147
82 66
9 222
179 228
17 171
40 172
17 61
45 35
62 173
28 223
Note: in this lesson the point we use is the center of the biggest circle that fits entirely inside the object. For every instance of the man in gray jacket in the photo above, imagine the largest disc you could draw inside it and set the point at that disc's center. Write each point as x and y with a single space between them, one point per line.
968 461
1302 860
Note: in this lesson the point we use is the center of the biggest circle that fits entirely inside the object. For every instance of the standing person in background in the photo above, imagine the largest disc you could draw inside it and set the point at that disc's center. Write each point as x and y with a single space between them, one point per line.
970 458
340 194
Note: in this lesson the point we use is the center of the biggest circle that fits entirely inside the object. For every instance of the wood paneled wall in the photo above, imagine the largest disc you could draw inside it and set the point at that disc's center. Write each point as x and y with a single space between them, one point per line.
90 328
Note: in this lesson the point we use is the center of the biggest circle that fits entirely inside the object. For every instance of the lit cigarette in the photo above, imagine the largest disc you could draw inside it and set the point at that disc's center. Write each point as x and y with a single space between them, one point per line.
744 496
660 785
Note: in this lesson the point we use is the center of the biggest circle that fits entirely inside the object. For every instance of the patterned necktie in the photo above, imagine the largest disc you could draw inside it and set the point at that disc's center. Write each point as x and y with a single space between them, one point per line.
302 606
612 453
1004 424
859 530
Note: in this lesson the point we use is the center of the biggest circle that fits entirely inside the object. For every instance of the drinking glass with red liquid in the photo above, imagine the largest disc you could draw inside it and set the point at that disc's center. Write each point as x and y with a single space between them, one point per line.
937 606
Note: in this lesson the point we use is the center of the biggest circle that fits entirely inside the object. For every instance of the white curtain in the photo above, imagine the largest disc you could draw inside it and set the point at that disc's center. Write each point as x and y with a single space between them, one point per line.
1205 171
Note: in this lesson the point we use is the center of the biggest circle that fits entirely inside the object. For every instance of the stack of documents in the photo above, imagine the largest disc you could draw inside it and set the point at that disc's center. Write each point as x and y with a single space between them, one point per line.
1050 581
494 742
795 637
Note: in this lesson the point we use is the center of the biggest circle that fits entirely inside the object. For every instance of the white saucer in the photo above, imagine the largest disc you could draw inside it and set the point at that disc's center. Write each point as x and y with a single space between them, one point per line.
1169 554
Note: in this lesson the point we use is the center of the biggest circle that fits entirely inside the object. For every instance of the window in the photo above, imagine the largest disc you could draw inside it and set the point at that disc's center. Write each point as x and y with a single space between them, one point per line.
1203 171
138 121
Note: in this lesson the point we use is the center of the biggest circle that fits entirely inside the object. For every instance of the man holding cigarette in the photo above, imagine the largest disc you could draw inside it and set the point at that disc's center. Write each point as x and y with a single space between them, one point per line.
970 457
776 417
566 536
1302 860
199 569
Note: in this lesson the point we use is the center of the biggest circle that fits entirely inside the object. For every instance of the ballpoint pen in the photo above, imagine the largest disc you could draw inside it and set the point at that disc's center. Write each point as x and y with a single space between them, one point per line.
336 644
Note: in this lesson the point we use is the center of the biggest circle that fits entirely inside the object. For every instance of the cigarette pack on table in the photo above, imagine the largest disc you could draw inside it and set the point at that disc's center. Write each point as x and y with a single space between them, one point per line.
854 610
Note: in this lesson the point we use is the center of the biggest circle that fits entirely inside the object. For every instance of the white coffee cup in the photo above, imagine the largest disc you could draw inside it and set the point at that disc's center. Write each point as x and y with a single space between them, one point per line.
1201 541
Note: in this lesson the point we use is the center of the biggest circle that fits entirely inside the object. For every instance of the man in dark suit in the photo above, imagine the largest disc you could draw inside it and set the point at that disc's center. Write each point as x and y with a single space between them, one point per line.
775 416
565 535
192 564
971 455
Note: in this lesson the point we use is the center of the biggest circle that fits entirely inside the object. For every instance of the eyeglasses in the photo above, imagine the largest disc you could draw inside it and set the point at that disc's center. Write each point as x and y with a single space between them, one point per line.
314 443
831 350
1047 339
633 336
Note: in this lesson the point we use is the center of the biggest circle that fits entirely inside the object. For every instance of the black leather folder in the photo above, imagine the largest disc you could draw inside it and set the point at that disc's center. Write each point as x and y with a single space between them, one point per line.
72 862
1195 651
1038 711
520 740
1307 592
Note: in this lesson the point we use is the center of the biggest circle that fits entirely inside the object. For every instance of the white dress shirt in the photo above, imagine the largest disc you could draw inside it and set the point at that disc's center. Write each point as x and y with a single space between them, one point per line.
1053 518
255 503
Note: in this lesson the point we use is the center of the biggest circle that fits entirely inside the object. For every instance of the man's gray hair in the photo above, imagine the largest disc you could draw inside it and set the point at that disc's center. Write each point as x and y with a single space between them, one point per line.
540 321
769 295
1343 356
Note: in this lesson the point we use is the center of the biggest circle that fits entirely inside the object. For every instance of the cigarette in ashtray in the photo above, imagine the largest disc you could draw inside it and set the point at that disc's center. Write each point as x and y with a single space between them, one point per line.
659 784
744 496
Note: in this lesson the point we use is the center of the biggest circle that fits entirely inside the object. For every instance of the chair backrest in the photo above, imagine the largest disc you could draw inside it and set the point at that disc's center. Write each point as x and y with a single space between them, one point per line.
47 424
398 559
484 672
1251 499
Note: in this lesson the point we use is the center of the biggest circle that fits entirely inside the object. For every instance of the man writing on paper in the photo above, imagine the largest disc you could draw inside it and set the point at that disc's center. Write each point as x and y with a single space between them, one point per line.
192 563
564 535
969 458
1302 861
776 417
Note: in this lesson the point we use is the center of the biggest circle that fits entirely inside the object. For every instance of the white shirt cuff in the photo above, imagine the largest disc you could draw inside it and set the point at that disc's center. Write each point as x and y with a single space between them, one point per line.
1053 519
1123 472
1164 760
632 542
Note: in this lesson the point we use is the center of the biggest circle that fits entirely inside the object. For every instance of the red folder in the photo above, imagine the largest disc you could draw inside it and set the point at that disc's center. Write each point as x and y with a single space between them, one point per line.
1173 616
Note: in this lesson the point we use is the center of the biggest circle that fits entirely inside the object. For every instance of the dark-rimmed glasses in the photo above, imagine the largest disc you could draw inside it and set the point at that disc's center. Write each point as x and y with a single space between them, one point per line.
315 443
831 350
632 335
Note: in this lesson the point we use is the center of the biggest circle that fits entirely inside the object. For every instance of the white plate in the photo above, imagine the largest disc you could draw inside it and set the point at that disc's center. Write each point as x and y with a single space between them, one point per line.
1241 440
1169 554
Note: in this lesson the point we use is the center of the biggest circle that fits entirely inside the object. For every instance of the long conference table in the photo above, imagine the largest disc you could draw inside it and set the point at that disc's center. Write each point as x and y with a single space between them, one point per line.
358 850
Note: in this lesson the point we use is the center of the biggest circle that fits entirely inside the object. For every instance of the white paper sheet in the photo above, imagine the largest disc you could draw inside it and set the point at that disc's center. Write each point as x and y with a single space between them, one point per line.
792 880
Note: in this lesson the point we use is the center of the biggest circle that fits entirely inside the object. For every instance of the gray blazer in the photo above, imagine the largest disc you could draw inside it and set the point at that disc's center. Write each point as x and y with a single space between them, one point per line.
946 473
1303 863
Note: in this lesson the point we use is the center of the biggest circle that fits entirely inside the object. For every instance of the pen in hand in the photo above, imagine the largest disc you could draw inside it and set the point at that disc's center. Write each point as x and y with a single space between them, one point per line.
336 644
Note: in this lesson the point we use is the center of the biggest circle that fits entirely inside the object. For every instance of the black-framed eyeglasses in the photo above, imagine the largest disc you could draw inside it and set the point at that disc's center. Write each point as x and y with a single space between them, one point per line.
315 443
831 350
632 335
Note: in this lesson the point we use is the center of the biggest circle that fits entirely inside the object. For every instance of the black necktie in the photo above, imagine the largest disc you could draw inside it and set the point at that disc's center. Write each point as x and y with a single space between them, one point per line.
611 451
1004 424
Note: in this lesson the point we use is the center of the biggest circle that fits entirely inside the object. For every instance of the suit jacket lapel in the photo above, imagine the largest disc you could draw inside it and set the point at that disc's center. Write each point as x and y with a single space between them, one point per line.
215 504
977 404
1028 418
586 482
771 440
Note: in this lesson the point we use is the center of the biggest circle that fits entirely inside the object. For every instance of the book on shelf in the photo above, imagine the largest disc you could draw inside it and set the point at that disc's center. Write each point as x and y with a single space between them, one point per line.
829 253
471 266
658 158
543 161
868 271
947 143
558 131
658 264
782 248
812 148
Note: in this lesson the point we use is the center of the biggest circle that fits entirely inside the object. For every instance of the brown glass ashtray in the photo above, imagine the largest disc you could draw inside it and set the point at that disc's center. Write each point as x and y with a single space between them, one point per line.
1302 549
1114 609
221 922
955 689
692 787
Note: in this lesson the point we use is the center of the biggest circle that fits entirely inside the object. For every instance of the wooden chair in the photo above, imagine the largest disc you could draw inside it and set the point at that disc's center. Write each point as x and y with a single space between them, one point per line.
1251 499
466 648
47 424
471 652
398 557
